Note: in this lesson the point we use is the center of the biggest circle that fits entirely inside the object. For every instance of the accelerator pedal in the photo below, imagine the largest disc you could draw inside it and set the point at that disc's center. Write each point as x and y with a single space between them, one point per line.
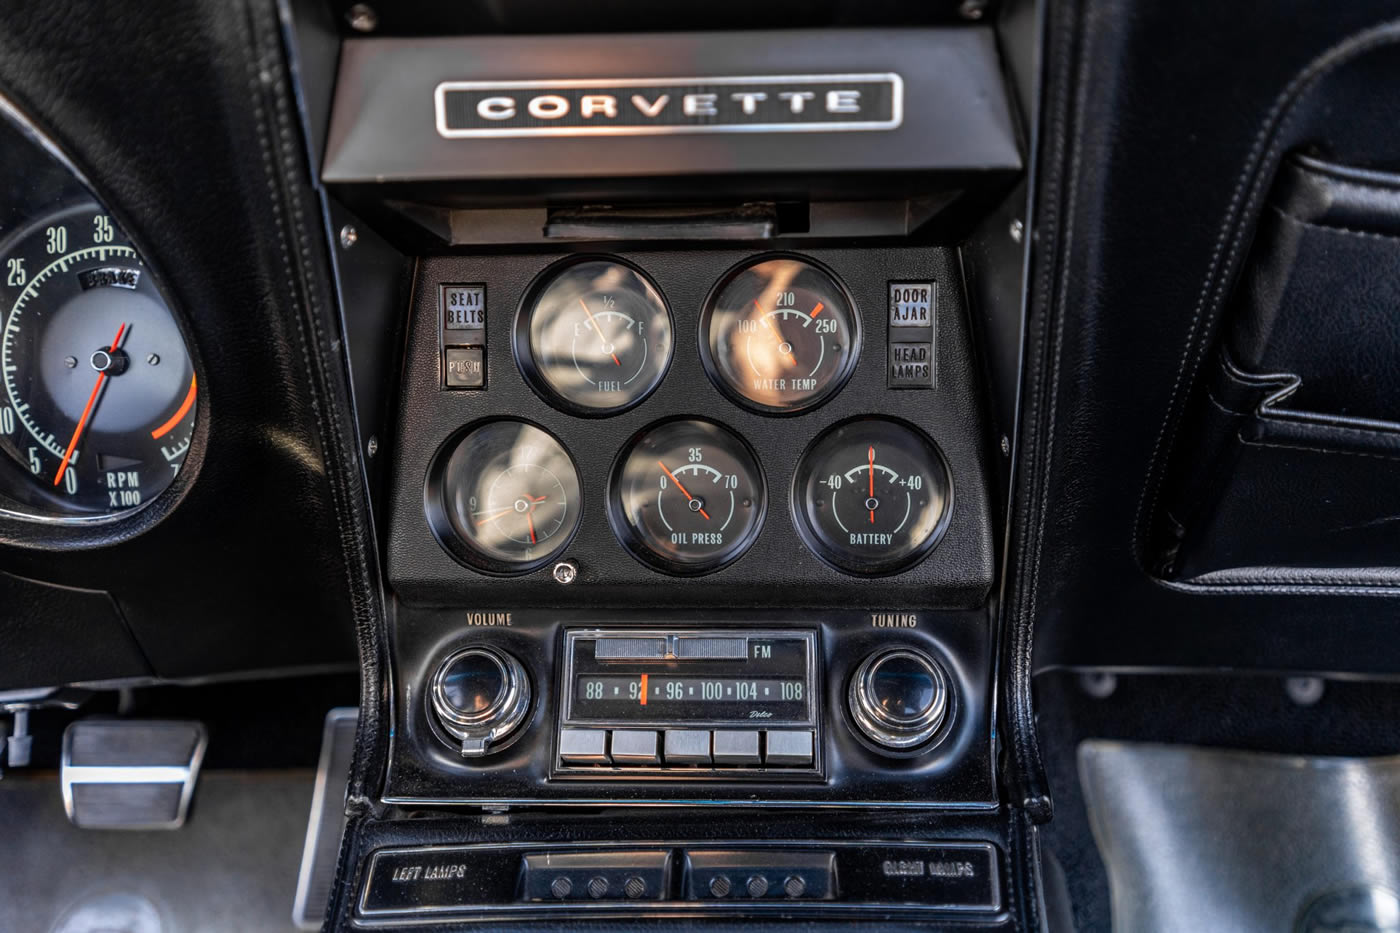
323 831
130 773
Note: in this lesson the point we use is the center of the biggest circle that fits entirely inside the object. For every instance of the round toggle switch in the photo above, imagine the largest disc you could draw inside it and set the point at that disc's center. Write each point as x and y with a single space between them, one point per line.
899 698
479 696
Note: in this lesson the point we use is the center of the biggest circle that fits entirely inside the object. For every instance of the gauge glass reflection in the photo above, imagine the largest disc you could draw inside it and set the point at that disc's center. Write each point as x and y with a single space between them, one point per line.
505 497
688 497
596 335
780 335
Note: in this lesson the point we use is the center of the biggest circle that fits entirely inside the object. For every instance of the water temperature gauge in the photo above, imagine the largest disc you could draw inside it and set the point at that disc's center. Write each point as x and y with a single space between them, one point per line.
687 497
780 335
872 496
504 498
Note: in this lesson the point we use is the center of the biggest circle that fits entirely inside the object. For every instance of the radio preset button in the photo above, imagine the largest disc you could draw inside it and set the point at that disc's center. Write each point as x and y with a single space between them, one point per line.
789 748
687 747
736 747
583 746
632 747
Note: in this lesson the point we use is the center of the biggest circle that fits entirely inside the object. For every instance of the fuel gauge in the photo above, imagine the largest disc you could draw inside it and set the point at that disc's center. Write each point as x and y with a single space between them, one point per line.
595 335
687 497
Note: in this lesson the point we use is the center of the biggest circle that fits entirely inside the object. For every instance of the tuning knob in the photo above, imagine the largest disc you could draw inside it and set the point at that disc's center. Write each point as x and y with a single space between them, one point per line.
480 695
899 698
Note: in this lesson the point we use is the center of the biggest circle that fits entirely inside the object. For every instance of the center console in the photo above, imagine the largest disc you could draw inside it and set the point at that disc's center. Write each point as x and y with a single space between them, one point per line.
687 480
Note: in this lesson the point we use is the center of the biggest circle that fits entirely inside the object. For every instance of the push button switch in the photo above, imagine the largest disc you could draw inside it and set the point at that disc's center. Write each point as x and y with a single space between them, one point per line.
631 747
687 747
583 746
789 748
736 747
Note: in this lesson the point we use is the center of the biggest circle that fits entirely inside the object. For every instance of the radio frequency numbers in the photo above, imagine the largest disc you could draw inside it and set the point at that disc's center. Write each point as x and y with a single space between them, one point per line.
647 689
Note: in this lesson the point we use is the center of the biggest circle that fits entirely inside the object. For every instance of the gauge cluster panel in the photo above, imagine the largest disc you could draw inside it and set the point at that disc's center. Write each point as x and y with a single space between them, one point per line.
723 416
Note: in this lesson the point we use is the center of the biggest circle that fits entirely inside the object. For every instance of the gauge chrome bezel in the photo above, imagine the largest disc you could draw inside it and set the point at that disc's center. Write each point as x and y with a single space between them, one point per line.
440 522
632 541
811 537
523 349
838 379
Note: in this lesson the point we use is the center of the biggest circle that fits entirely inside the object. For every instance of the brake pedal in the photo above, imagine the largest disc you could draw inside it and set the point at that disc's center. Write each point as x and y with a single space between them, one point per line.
130 773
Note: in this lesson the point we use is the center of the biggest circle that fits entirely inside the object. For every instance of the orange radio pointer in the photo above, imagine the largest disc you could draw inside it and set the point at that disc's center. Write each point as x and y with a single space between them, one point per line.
688 496
87 412
644 689
596 329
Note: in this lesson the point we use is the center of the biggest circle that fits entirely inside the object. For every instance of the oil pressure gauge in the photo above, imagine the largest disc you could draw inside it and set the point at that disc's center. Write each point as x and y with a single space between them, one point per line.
872 496
687 497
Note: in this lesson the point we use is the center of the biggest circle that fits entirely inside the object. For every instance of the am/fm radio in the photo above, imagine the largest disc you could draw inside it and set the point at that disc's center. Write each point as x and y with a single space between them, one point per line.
729 703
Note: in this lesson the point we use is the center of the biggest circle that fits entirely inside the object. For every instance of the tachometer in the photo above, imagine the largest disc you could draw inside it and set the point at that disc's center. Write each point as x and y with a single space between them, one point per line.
98 406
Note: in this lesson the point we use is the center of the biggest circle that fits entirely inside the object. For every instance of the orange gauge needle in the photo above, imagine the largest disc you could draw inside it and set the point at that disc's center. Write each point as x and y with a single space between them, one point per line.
596 329
778 335
87 412
688 496
872 482
495 515
817 310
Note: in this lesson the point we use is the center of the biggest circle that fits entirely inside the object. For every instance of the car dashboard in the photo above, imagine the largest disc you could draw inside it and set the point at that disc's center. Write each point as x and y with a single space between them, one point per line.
730 450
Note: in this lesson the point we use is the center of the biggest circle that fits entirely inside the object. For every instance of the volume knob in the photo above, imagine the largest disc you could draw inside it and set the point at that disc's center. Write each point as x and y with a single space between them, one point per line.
479 696
899 698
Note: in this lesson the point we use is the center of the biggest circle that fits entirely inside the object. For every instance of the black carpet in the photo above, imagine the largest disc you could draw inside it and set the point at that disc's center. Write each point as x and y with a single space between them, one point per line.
232 867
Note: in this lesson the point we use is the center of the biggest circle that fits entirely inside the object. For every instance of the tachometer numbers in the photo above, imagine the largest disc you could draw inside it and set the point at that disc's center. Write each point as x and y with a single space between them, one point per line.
687 497
872 496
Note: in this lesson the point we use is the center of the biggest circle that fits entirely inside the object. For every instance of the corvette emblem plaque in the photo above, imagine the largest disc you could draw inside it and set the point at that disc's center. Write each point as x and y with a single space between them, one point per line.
654 106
